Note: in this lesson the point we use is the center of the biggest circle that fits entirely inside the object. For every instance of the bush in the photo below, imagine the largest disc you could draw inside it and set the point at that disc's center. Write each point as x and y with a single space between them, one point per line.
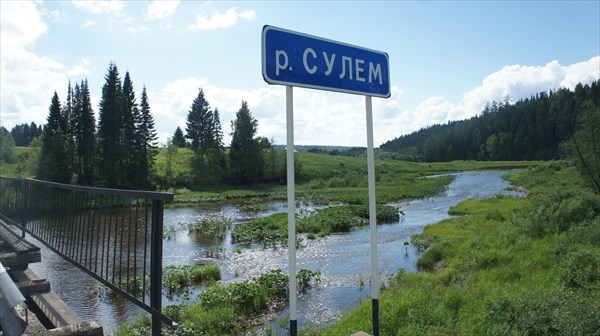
210 228
433 255
177 278
581 268
561 312
558 211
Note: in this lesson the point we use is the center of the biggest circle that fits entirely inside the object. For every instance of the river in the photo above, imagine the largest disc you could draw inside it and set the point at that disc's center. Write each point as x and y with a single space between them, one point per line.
342 259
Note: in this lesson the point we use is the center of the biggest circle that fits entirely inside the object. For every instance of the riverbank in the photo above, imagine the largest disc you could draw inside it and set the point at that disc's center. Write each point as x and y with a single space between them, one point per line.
505 266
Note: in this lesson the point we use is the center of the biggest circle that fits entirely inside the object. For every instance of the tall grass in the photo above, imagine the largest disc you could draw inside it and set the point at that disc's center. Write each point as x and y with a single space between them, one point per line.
508 266
272 230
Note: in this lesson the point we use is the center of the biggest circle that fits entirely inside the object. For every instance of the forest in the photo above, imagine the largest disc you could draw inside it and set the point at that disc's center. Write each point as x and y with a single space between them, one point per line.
529 129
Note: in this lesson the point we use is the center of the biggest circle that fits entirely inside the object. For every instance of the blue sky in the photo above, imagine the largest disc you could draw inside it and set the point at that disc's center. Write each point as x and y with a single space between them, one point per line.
447 59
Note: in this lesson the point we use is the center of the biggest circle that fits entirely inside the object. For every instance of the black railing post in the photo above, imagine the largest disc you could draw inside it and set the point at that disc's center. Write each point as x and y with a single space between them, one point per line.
156 264
25 209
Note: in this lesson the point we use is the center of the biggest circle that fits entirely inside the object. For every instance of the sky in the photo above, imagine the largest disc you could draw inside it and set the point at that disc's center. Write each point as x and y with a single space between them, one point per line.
447 59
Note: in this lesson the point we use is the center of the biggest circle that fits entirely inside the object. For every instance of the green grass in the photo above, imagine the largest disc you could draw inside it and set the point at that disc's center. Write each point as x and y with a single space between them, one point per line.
326 179
493 271
323 178
273 230
227 309
25 164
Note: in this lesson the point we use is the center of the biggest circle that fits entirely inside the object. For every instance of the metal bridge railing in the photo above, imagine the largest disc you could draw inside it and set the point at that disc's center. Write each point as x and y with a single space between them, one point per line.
113 235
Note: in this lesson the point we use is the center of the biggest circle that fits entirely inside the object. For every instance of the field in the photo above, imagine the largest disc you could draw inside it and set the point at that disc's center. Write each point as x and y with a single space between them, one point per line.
327 179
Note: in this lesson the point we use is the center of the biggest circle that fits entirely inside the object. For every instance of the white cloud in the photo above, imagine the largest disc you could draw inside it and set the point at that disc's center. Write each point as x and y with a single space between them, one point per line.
159 10
323 118
521 82
100 7
57 16
21 24
88 23
584 72
218 20
27 80
80 69
516 81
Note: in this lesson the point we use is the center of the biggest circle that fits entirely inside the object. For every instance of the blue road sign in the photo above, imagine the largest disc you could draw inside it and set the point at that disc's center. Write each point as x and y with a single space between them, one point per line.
296 59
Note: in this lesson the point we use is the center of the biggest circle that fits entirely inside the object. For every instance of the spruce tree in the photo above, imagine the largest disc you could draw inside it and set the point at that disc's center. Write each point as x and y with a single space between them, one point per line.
131 140
75 129
148 145
110 131
86 131
69 117
218 150
54 158
178 138
198 124
245 154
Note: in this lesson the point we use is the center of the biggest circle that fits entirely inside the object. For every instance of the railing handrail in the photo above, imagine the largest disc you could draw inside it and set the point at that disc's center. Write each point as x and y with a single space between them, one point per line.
85 231
154 195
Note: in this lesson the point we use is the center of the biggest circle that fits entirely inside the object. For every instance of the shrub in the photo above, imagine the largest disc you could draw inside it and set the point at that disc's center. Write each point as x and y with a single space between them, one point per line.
433 255
558 211
558 312
422 241
581 268
210 228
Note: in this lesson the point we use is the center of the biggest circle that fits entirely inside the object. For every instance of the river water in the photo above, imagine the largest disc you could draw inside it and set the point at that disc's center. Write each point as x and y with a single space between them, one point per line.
342 259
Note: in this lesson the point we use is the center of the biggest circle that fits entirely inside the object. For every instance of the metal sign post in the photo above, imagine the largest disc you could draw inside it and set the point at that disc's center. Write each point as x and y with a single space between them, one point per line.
295 59
291 198
372 217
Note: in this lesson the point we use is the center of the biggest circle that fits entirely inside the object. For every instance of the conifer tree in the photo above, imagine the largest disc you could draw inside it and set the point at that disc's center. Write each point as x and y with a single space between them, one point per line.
146 133
131 140
198 125
69 116
86 133
218 150
178 138
110 131
245 154
54 158
203 128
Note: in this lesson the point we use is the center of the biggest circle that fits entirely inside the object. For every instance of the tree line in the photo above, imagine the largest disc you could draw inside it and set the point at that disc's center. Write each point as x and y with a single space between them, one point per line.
530 129
248 159
119 149
118 152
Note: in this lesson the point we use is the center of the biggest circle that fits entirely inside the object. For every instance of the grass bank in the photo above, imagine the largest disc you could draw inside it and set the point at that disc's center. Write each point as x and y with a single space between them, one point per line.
507 266
329 179
322 178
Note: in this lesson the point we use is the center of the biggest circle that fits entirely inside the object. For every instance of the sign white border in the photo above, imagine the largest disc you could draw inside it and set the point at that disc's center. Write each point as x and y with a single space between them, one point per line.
269 80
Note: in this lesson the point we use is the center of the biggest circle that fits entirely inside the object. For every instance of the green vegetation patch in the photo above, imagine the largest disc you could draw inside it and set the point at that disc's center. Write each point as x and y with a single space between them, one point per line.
209 228
507 266
272 230
177 279
229 309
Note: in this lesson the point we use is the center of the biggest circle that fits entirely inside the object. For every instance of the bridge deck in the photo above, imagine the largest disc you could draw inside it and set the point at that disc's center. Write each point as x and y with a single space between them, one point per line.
16 253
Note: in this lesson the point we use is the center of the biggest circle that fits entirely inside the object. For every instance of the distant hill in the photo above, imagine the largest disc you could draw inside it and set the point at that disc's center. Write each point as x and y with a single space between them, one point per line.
530 129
